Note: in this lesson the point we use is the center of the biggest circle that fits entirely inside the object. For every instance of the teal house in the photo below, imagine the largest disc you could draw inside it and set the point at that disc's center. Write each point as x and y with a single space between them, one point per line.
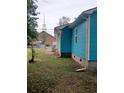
64 40
79 39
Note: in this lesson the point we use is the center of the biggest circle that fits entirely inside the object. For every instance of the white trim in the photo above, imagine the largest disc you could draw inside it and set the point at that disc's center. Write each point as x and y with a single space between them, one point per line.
57 41
86 54
88 37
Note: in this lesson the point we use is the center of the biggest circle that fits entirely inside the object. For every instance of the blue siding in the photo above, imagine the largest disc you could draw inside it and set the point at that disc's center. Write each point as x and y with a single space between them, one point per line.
66 37
79 48
93 36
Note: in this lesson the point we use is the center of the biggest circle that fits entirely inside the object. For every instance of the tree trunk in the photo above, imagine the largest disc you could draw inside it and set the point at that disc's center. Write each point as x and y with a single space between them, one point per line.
33 54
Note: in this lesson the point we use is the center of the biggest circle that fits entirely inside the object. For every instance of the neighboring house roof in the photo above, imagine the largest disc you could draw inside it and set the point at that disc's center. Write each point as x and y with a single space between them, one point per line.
43 32
46 38
43 36
82 17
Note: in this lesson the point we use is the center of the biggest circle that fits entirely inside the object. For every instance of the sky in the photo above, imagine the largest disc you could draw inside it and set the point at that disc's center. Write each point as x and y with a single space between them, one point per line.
55 9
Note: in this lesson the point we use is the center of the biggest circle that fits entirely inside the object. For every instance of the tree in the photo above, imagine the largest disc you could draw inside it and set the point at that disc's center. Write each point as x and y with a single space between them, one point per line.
64 20
31 24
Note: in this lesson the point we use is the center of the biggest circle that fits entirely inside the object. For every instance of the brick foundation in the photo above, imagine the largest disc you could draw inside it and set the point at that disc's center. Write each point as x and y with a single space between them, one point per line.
79 60
92 65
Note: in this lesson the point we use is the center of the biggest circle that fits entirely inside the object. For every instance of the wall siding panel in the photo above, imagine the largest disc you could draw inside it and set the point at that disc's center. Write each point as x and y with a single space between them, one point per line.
93 36
79 48
66 40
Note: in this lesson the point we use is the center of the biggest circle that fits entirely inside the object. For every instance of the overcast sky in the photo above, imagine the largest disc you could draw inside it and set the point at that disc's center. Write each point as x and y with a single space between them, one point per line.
54 9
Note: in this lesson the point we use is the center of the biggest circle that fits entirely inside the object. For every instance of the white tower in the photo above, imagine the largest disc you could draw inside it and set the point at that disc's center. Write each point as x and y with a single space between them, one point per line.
44 25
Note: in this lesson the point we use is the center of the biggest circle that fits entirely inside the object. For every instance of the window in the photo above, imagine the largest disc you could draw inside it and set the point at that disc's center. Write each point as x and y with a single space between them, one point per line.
76 34
75 39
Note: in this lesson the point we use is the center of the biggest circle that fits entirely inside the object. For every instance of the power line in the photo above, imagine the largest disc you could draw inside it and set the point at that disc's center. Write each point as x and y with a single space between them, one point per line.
46 30
42 29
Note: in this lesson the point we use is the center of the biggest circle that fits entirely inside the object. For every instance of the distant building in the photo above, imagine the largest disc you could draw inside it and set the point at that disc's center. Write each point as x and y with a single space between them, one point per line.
46 38
79 39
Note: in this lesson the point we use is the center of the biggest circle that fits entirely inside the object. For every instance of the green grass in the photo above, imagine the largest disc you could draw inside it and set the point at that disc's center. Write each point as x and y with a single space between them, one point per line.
57 75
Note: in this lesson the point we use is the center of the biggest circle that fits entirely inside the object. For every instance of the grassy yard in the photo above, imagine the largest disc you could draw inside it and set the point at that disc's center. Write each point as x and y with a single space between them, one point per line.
57 75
